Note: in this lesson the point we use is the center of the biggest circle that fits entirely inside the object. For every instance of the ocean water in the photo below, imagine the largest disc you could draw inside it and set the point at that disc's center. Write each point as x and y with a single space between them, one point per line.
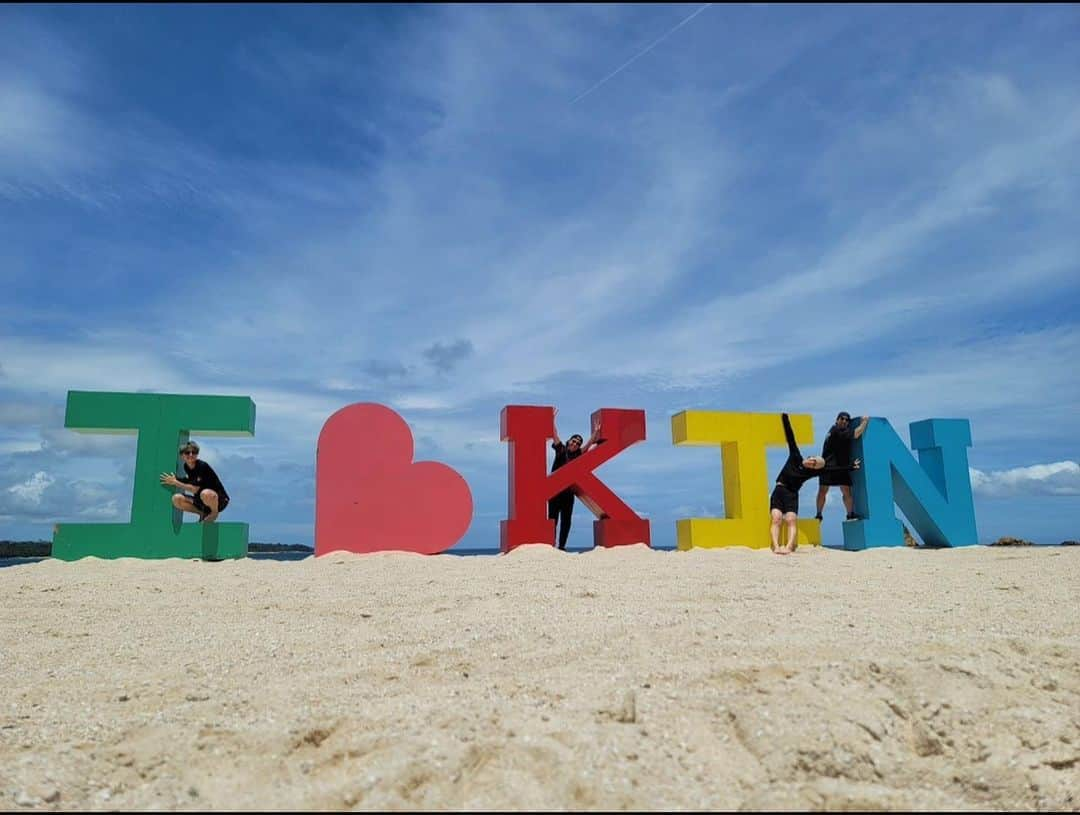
463 552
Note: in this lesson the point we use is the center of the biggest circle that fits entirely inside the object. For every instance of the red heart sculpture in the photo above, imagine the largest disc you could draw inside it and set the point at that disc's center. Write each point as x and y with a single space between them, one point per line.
371 497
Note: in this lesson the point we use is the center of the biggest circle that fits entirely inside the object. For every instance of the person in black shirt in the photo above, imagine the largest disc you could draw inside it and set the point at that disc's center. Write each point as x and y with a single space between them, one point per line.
561 507
837 452
784 503
208 497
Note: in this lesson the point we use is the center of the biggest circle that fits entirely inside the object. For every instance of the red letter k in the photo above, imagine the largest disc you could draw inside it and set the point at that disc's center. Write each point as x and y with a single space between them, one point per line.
528 428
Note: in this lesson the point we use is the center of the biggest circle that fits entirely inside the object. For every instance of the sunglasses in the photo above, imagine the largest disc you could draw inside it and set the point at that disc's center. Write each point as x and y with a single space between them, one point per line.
189 453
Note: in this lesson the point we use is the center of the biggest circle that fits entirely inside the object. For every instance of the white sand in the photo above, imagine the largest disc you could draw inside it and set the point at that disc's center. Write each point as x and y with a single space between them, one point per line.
614 679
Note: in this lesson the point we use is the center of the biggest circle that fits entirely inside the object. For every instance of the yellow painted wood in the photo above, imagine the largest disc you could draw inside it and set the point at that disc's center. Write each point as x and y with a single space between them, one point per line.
743 439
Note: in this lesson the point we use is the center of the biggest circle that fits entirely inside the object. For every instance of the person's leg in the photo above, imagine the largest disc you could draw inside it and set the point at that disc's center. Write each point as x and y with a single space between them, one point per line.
791 519
822 492
849 500
553 514
565 512
185 504
774 529
210 498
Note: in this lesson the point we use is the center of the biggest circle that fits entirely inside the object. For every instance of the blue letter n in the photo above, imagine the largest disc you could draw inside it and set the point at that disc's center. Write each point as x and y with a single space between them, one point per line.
933 493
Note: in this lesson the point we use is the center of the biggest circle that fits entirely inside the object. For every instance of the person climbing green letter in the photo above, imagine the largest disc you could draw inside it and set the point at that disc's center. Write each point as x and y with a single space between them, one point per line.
163 423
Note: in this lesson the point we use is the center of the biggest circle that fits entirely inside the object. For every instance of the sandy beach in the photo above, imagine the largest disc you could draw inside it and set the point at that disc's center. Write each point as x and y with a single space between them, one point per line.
623 679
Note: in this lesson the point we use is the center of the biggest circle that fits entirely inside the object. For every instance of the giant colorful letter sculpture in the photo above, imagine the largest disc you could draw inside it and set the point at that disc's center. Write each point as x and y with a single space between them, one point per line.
742 438
163 422
371 497
934 494
528 429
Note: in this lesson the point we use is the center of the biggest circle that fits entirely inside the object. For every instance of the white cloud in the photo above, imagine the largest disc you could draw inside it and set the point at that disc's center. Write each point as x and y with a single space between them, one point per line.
1058 478
29 493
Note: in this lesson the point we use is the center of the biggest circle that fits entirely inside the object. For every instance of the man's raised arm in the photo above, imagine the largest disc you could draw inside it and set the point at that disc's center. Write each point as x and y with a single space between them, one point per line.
862 426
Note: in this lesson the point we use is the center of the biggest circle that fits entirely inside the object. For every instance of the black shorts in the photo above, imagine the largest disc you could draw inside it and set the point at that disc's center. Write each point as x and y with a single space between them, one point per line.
841 478
204 510
784 499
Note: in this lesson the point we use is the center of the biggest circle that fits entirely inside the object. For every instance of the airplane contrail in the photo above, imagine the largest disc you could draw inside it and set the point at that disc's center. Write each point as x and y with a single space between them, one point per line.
641 53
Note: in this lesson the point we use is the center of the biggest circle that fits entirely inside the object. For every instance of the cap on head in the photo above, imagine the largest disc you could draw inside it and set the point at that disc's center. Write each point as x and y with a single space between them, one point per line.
843 414
576 436
190 447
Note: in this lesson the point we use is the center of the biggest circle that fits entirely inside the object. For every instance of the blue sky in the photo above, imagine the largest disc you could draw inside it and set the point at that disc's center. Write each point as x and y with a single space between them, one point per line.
450 209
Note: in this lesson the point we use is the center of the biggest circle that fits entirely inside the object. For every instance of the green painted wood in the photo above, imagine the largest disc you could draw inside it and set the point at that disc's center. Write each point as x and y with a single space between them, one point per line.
163 422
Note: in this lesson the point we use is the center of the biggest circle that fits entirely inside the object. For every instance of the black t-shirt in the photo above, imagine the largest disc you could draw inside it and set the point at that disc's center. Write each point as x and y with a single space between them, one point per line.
793 474
563 455
837 447
202 477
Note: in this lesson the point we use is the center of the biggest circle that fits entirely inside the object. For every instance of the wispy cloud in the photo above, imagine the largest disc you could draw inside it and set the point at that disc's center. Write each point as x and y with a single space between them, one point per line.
1012 387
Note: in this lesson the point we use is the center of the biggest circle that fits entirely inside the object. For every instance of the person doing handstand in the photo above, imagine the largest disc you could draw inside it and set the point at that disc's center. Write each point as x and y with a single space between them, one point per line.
208 498
784 503
561 507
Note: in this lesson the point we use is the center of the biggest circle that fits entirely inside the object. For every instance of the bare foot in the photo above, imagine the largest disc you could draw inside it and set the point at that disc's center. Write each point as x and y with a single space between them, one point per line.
209 519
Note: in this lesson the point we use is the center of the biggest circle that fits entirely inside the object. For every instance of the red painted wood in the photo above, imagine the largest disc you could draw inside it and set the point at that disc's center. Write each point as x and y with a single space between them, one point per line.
528 429
370 496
